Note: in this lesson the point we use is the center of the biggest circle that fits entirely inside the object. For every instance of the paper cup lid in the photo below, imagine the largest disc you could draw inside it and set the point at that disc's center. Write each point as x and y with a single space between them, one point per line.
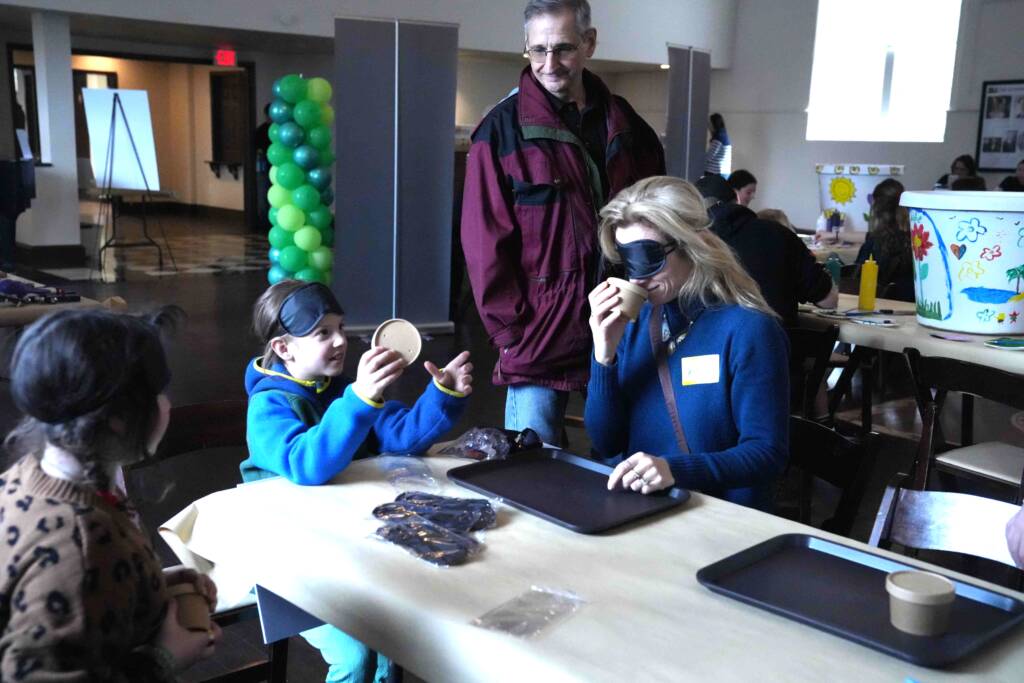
183 588
399 335
923 588
627 286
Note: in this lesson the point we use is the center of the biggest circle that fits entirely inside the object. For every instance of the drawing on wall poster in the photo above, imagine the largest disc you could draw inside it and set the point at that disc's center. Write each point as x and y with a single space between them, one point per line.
1000 125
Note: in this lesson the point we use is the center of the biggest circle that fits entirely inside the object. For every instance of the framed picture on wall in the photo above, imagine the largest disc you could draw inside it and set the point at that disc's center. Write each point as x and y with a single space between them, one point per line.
1001 126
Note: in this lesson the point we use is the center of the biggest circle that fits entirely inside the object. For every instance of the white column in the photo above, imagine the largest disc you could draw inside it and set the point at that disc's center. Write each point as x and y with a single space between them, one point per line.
53 219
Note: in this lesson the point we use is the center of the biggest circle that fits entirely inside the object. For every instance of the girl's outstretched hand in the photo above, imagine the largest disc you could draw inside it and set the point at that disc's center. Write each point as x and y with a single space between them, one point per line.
456 375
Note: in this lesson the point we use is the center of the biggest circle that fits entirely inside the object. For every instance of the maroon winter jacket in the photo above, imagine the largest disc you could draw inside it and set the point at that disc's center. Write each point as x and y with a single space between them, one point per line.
529 228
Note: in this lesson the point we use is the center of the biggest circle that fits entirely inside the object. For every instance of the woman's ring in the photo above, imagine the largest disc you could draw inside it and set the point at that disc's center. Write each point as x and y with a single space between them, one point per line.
639 475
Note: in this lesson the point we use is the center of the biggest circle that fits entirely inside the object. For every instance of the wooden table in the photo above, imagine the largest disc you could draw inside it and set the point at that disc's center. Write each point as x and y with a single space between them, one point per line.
646 617
869 339
12 315
910 333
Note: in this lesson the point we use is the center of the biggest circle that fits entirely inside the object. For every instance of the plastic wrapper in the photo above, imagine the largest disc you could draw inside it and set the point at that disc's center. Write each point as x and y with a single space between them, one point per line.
429 541
461 515
407 473
488 443
23 293
531 612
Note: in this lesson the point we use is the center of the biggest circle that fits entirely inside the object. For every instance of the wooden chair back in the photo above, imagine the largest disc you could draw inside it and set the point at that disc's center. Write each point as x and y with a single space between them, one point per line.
809 353
934 377
820 452
940 520
202 426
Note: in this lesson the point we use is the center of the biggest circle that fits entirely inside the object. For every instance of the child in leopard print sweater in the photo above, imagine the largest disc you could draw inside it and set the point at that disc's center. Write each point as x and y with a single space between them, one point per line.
82 594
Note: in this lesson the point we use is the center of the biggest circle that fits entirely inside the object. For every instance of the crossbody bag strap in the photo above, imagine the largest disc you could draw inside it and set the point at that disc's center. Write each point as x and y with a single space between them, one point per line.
665 377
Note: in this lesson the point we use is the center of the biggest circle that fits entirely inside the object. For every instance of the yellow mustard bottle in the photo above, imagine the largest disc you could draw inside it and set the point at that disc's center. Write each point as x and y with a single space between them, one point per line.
868 285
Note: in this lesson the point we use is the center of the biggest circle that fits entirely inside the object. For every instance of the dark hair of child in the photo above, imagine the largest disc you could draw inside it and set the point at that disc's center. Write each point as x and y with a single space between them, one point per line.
265 317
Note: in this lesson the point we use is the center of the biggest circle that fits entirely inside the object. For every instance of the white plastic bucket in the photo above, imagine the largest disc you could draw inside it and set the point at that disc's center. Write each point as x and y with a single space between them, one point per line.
968 252
845 188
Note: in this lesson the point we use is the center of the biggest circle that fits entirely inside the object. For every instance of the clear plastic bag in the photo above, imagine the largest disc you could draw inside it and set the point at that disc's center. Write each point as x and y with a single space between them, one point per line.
460 515
531 612
430 542
407 473
488 443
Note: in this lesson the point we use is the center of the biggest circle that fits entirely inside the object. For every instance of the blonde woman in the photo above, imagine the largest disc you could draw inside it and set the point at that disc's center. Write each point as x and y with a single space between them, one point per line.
695 393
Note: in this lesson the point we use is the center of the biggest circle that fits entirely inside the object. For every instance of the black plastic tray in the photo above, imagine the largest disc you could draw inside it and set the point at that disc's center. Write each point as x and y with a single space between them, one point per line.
841 590
563 488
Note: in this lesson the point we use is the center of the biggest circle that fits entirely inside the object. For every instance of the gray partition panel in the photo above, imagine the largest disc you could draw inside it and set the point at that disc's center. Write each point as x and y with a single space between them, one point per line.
700 95
364 102
427 63
677 131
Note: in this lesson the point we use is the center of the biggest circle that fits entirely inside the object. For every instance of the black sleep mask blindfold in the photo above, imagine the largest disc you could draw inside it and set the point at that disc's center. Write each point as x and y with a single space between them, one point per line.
304 308
644 258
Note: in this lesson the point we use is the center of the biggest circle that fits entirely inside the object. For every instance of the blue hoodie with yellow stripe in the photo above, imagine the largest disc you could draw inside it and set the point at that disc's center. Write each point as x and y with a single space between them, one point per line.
308 432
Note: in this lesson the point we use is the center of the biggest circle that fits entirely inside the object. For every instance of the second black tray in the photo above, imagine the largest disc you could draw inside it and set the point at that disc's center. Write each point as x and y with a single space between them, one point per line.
841 590
563 488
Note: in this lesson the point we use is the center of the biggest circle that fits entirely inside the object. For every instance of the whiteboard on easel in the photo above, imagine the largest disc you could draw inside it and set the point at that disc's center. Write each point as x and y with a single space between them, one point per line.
130 122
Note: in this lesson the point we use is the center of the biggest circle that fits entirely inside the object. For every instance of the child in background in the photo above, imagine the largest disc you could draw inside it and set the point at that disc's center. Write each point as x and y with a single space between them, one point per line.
307 422
83 596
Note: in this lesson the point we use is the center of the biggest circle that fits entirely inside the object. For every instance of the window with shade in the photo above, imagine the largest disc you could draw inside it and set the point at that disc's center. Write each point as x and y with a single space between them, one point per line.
883 70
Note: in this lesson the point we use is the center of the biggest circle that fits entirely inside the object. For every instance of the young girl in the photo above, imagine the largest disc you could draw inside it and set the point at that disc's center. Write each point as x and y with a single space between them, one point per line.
82 594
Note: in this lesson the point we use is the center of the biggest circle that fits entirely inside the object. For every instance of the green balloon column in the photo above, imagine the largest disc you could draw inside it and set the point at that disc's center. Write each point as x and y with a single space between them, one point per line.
300 156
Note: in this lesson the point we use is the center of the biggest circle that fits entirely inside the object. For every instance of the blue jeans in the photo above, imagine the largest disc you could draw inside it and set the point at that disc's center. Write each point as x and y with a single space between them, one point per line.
350 661
539 408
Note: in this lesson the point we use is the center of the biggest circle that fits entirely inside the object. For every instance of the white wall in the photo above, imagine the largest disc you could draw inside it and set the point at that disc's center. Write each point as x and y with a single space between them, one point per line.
764 95
482 82
634 31
646 91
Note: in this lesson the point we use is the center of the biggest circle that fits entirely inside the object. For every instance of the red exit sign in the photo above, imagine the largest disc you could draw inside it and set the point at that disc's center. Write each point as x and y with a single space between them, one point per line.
225 58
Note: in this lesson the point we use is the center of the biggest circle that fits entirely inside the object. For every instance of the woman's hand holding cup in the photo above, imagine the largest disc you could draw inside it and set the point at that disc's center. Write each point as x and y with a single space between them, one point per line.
613 303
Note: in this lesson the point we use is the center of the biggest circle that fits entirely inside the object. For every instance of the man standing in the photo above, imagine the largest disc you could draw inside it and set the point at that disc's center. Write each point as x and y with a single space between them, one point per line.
541 165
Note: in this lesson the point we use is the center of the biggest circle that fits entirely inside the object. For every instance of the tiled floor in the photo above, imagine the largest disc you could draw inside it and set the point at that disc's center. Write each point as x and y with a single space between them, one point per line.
190 245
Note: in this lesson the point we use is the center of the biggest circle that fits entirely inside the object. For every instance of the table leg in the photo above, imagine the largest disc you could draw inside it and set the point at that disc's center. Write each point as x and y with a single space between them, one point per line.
862 358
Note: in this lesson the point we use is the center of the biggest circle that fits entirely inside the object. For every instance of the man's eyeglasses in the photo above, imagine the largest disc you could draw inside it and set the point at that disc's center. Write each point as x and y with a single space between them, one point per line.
561 51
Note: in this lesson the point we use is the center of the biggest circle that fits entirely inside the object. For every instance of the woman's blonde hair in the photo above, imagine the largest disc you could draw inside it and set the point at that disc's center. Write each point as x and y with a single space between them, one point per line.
675 208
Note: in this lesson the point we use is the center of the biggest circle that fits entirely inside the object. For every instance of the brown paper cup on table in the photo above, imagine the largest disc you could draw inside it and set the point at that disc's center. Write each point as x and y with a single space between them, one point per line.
193 610
401 336
920 602
633 297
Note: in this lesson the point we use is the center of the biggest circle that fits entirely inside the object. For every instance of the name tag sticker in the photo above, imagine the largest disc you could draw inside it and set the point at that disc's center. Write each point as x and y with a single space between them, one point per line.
700 370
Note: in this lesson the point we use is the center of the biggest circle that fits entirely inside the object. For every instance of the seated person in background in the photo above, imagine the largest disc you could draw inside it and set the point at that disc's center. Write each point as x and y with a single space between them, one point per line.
888 242
962 167
707 327
85 597
307 422
779 261
974 183
1014 183
776 215
744 184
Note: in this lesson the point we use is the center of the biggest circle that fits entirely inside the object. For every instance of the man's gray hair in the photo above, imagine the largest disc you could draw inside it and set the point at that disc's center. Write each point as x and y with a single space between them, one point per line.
580 8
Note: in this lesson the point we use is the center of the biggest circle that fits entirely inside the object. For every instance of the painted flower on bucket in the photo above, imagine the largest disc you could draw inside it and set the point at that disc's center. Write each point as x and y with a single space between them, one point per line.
970 230
919 241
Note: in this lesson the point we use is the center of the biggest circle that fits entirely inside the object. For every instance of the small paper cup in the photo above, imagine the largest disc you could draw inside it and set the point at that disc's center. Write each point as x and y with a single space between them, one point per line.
920 602
633 297
401 336
193 610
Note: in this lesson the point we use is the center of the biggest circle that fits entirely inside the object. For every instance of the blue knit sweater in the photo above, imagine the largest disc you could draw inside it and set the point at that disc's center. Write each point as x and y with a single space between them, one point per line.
737 429
308 433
